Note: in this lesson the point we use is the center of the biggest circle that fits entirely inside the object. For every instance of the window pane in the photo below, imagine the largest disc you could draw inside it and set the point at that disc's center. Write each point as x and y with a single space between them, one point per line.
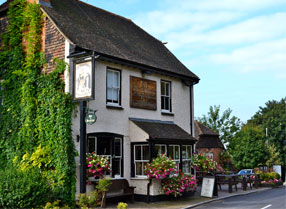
163 150
163 92
91 145
186 167
177 153
137 152
109 78
189 150
115 95
139 169
171 152
144 164
116 79
117 150
109 93
145 152
184 152
168 89
167 106
162 103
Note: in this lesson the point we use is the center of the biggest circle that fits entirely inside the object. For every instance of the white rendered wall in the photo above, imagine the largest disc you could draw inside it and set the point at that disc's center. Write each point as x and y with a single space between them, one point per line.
117 121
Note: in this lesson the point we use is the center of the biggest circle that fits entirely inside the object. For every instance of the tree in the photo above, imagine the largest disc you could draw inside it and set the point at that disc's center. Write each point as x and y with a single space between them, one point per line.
249 149
273 117
224 124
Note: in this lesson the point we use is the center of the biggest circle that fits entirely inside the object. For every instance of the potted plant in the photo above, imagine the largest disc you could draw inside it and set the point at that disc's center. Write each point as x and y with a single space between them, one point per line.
202 163
160 167
97 166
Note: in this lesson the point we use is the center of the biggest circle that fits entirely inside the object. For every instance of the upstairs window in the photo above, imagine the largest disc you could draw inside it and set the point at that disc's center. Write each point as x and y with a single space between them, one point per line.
166 100
113 87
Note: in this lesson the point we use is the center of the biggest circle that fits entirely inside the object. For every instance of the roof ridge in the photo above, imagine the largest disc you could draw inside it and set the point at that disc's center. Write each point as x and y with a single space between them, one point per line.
104 10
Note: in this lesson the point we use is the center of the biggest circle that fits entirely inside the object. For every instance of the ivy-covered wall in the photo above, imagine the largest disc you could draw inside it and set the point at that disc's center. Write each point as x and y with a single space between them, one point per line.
36 114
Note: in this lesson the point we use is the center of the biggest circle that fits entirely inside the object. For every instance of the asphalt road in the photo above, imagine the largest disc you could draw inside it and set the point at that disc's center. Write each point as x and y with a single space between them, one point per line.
268 199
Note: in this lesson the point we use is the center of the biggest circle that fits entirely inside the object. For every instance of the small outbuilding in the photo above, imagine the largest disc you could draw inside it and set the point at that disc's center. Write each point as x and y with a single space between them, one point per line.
208 141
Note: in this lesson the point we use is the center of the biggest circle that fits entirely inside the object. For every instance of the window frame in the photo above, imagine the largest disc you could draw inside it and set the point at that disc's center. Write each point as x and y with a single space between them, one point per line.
119 88
141 160
166 96
177 161
161 145
186 159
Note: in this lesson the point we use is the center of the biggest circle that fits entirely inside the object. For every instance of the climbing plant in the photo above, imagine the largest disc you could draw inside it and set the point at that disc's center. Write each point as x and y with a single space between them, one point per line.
36 113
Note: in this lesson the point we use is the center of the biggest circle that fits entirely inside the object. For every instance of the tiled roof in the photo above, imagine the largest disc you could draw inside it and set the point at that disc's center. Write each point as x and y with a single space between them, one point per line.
95 29
162 130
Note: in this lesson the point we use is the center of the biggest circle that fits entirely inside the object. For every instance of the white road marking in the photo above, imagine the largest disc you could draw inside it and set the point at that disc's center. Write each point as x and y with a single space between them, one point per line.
266 206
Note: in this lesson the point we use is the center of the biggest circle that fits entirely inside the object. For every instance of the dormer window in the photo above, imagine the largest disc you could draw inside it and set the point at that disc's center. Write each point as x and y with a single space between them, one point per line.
166 100
113 87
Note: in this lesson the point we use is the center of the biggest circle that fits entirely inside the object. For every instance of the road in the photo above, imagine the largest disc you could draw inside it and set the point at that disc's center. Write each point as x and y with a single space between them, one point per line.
268 199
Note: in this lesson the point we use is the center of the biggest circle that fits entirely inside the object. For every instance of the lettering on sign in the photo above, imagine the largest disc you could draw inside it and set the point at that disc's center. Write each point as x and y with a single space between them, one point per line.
207 187
143 93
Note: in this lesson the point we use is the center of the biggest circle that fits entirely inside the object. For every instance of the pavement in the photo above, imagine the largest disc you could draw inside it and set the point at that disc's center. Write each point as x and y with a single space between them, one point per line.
194 201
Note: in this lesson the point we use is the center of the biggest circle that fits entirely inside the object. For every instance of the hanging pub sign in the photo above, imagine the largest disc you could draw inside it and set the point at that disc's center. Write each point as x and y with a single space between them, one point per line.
90 117
83 80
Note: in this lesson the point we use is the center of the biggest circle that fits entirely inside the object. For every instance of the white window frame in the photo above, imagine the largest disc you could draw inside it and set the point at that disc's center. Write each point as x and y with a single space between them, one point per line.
188 160
117 88
160 148
166 96
177 161
141 160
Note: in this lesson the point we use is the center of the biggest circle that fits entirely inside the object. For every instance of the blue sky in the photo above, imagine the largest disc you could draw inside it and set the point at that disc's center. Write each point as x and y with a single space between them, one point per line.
236 47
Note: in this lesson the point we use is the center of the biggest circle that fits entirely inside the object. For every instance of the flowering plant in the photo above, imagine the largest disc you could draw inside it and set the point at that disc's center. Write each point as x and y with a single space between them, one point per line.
273 182
97 165
200 162
178 184
160 167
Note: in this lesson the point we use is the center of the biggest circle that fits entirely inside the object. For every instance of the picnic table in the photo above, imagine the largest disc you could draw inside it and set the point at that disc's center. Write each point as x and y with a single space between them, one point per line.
234 179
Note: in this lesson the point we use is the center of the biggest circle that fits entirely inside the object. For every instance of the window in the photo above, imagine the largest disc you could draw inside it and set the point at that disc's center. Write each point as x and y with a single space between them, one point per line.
210 155
186 158
166 104
113 92
141 158
174 153
160 149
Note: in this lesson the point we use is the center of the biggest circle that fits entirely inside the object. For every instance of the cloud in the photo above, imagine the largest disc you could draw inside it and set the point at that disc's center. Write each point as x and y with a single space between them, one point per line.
227 5
262 57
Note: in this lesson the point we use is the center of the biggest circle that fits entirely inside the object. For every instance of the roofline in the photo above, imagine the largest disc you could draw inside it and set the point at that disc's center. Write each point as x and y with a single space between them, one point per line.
51 19
142 67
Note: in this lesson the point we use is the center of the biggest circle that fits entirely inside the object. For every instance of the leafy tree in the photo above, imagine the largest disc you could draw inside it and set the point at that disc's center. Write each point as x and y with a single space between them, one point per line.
273 117
225 124
249 150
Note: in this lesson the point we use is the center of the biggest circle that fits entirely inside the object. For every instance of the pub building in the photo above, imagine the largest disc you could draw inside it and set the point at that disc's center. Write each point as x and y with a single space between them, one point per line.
137 91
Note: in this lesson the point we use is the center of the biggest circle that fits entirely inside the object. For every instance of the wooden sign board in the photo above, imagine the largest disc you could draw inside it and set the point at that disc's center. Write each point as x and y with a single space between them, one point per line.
143 93
208 187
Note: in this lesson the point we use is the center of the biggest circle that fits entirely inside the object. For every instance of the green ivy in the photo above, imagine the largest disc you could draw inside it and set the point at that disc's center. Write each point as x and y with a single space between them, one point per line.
36 114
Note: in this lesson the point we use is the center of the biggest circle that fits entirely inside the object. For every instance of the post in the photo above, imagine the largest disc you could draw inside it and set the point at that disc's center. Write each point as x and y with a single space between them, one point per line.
230 184
244 183
82 147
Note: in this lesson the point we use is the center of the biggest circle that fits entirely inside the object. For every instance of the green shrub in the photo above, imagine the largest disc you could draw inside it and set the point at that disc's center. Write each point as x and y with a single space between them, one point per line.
122 205
21 189
91 200
269 175
103 185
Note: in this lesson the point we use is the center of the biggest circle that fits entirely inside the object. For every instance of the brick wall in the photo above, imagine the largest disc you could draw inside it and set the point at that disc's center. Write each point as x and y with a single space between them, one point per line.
53 44
215 151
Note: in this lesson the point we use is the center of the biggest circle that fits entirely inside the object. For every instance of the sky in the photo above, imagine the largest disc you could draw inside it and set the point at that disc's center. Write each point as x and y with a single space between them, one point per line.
236 47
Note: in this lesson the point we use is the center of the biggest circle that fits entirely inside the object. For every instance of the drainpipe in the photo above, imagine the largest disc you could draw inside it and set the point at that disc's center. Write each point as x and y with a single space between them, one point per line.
150 180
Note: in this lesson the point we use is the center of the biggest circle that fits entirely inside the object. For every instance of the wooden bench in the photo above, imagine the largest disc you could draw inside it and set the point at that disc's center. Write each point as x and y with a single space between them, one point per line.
121 187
